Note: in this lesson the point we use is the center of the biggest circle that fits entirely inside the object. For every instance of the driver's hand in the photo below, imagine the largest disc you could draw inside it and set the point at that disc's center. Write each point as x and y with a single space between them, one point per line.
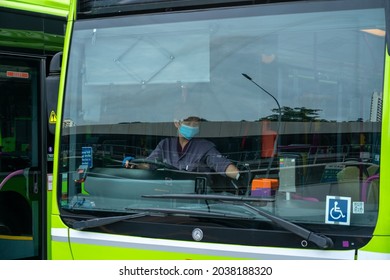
130 165
126 163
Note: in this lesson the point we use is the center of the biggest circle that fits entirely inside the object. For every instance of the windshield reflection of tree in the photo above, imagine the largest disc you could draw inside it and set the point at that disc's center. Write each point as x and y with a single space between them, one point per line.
299 114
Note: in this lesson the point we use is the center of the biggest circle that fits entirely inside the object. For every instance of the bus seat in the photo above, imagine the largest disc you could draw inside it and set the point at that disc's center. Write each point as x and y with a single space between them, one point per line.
348 182
373 195
372 170
370 190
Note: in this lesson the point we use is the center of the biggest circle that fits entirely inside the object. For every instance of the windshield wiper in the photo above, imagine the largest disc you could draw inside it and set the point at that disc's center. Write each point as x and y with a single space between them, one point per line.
321 241
97 222
157 212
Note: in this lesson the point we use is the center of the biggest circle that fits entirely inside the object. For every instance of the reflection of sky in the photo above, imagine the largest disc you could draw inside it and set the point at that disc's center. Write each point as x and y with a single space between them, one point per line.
321 61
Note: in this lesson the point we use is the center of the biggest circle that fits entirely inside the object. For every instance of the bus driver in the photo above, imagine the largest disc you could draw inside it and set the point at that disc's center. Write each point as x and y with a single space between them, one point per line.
188 153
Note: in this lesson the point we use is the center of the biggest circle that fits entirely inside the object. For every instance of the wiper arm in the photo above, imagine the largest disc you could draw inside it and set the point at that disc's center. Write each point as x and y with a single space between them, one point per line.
158 212
97 222
321 241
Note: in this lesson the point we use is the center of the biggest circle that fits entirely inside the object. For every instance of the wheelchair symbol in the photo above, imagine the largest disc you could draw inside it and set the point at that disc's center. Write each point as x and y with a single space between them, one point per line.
338 210
335 212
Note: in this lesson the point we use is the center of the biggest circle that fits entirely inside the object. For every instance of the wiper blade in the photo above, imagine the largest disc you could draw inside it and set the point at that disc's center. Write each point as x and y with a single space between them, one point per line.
321 241
211 197
157 212
97 222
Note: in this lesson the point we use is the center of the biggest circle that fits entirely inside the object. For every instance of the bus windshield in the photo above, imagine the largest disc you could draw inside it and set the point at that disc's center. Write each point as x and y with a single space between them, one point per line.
276 109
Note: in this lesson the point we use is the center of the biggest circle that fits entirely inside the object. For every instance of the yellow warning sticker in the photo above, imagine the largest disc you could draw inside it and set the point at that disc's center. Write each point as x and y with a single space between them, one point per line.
52 117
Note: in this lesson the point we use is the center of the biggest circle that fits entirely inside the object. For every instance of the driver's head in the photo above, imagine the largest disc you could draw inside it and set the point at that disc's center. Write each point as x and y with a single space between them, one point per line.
188 127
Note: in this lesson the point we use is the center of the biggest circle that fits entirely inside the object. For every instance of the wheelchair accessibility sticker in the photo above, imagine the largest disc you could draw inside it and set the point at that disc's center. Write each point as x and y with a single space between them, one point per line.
338 210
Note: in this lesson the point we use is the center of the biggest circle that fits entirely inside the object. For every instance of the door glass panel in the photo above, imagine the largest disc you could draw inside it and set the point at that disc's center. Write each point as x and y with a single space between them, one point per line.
19 200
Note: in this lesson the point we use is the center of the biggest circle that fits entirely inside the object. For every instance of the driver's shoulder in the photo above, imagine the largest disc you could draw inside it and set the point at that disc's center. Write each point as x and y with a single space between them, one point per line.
167 143
167 140
201 142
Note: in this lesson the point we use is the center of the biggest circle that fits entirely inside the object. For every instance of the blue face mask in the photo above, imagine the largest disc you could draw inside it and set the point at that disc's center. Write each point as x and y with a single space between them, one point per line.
188 132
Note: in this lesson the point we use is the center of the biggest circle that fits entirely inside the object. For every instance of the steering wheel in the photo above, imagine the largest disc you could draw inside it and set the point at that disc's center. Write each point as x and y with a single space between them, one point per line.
154 162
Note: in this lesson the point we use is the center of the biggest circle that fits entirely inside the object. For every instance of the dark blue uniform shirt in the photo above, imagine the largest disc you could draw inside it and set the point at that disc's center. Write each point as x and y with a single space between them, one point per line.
199 155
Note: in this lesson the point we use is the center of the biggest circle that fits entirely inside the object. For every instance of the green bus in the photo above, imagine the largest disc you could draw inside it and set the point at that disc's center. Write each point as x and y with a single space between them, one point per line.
31 34
162 101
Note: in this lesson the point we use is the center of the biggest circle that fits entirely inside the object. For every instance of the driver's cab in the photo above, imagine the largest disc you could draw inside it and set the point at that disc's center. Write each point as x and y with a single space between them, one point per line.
102 173
297 170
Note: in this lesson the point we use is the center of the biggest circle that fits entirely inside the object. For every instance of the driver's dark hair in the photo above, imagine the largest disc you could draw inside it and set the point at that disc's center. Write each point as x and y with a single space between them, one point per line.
192 119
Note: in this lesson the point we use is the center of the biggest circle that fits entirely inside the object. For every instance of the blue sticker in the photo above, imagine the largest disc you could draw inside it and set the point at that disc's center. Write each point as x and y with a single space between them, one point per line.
86 156
338 210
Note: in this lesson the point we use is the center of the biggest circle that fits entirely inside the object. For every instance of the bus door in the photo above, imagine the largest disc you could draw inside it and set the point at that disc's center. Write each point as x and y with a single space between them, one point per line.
22 157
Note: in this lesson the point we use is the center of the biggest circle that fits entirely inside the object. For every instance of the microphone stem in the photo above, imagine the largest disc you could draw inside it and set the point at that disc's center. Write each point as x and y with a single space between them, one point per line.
278 125
277 131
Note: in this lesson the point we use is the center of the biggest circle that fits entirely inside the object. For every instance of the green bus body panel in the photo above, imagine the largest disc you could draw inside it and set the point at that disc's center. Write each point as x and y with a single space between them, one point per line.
61 250
136 254
83 252
381 240
33 26
49 7
56 250
30 28
31 40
